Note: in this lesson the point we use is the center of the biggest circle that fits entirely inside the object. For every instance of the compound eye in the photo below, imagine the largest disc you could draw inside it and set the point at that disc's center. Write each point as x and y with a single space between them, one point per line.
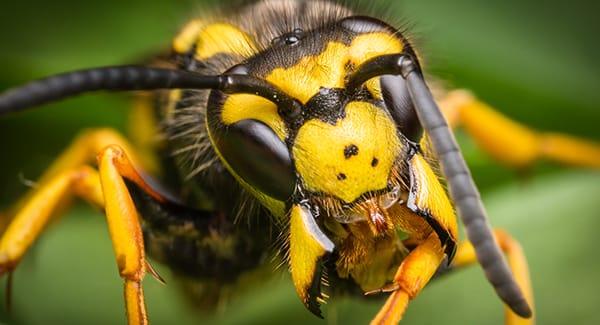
401 107
259 157
252 150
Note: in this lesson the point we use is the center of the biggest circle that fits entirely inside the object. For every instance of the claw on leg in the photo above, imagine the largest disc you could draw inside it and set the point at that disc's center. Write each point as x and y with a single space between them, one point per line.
154 273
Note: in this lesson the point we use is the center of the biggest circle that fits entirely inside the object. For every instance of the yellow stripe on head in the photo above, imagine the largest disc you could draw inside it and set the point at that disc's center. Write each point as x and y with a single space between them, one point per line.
367 46
239 107
303 80
329 68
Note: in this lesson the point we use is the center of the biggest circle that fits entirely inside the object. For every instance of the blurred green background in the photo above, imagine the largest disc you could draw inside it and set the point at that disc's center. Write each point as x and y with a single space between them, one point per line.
536 61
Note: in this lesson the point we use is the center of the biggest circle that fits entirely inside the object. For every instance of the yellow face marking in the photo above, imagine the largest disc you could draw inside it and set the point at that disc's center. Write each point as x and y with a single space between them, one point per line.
349 158
431 196
303 80
223 38
365 125
184 41
367 46
329 68
374 88
239 107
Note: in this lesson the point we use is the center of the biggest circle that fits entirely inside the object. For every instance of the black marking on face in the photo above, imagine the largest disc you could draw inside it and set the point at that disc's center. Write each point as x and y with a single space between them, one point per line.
374 162
341 176
350 150
327 105
284 51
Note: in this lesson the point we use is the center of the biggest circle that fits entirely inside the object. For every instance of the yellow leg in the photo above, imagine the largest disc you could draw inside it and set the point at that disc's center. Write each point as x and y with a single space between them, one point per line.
465 255
413 274
510 142
105 188
124 227
81 151
29 222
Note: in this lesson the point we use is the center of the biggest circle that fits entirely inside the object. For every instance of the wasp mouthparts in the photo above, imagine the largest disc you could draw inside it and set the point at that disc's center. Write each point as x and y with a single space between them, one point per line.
374 211
377 219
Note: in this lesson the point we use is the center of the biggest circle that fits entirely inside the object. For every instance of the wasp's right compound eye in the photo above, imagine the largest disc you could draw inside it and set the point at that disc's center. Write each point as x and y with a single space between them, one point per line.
259 157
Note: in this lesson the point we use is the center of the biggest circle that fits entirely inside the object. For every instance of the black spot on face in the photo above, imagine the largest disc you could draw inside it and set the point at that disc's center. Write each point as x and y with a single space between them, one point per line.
350 150
374 162
341 176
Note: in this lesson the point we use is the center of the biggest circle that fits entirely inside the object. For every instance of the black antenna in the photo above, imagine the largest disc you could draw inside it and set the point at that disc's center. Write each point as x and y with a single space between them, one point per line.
462 189
127 78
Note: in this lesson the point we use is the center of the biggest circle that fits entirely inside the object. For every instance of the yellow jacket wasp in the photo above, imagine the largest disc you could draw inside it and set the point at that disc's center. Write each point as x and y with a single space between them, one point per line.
317 116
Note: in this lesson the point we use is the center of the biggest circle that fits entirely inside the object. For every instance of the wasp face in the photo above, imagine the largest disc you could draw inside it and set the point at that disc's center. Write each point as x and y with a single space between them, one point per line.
347 156
344 145
352 159
313 110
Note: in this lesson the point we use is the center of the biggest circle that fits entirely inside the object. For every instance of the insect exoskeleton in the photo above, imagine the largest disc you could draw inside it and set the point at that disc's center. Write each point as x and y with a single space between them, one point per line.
329 155
300 118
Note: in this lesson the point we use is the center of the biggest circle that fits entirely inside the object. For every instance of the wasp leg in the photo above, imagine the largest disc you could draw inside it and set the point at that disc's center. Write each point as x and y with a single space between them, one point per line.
465 255
81 151
35 213
105 188
510 142
413 274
